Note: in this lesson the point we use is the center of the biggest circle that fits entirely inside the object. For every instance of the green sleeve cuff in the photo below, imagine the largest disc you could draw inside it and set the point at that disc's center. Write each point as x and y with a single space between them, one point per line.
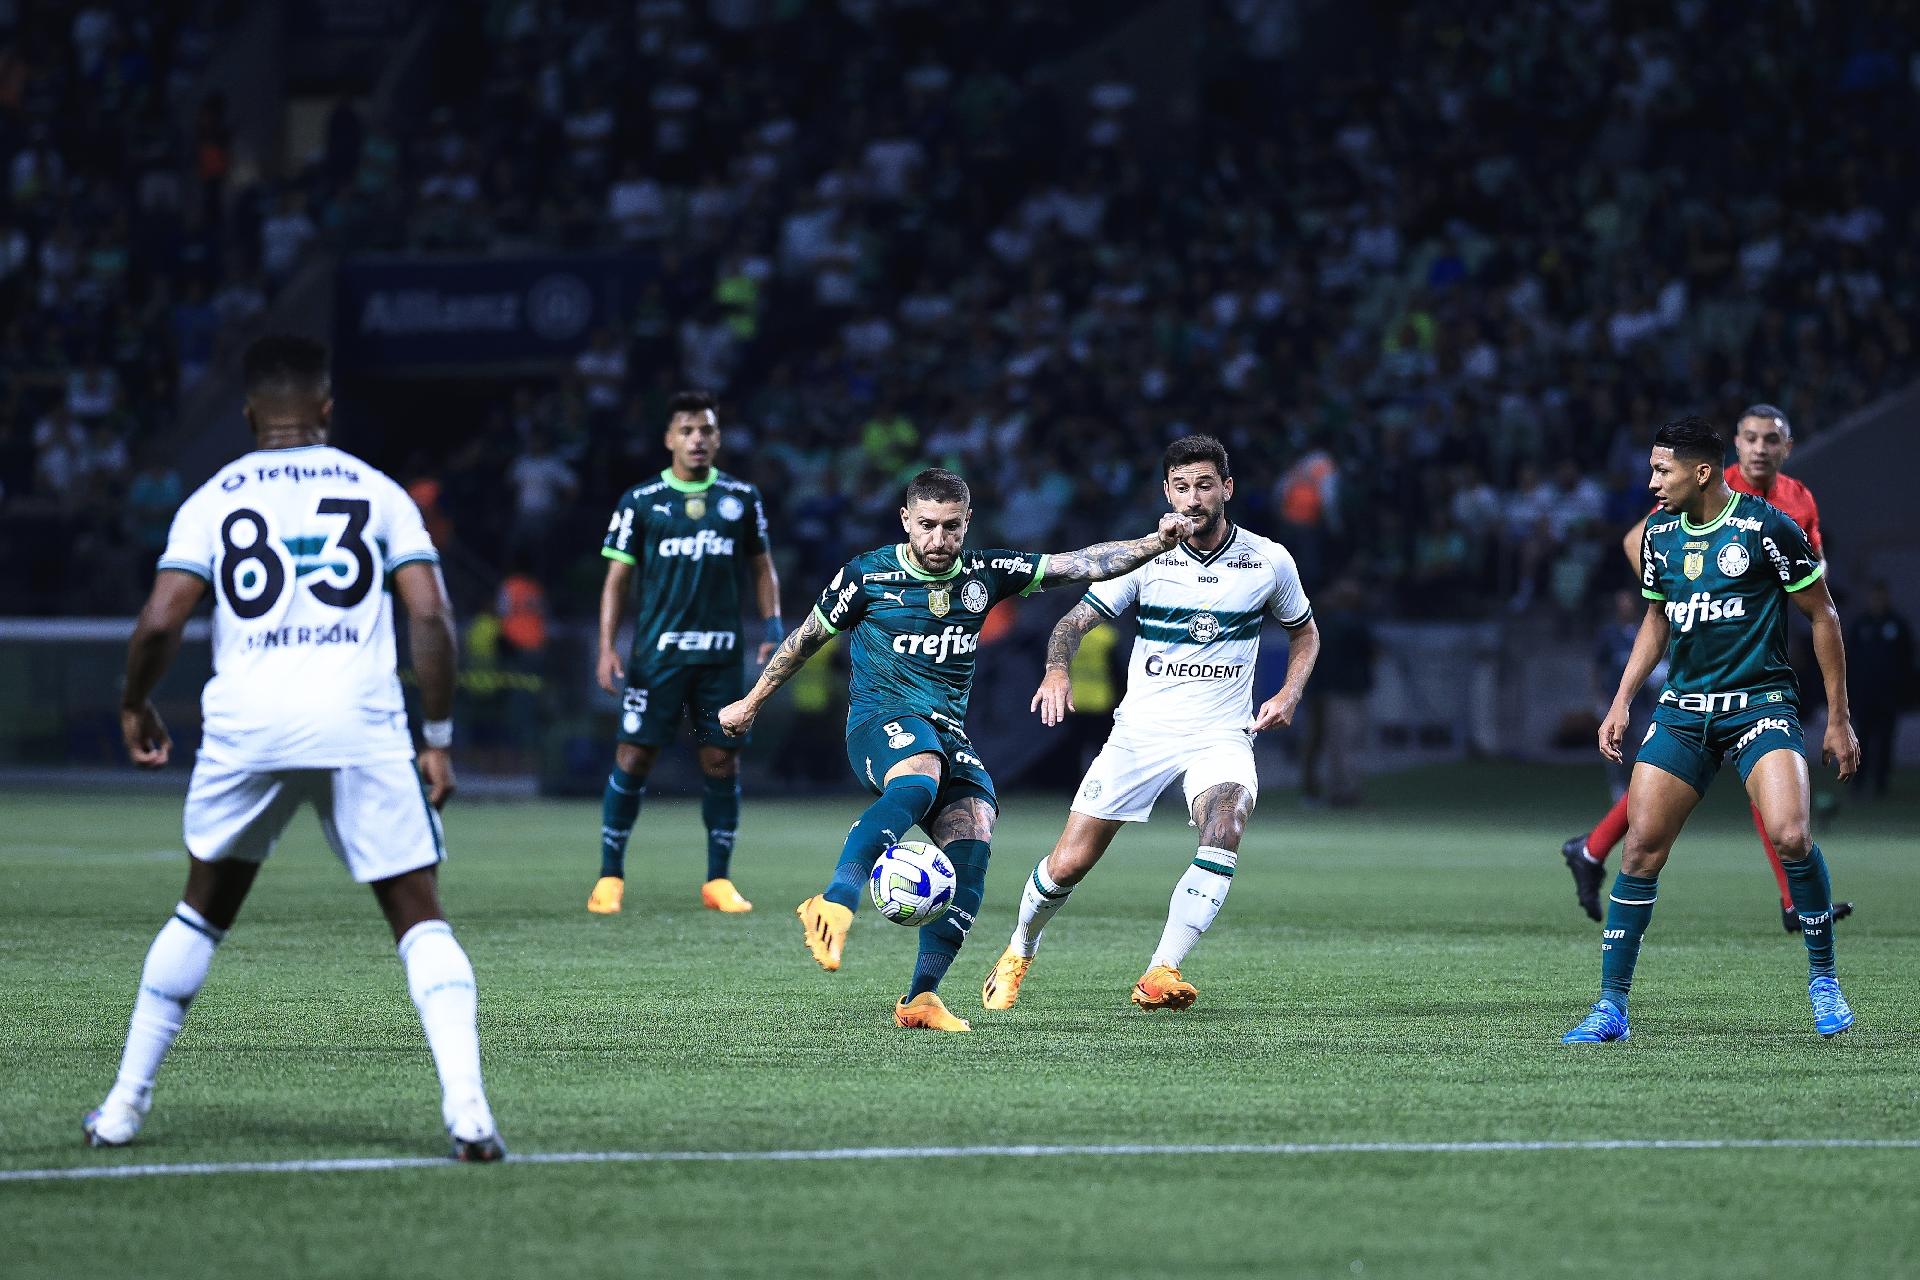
621 556
831 629
1651 595
1807 581
1039 573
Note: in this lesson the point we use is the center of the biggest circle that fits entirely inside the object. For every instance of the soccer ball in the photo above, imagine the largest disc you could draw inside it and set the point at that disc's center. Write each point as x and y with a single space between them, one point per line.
912 883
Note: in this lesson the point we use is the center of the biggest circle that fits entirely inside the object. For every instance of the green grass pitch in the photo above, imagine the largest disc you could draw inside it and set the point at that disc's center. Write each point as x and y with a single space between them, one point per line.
1398 975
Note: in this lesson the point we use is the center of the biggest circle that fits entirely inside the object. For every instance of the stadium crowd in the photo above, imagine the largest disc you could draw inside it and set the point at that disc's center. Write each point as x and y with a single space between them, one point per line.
1434 278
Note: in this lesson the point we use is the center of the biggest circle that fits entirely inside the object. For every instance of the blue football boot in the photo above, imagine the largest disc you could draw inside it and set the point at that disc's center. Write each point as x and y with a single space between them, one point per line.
1831 1013
1605 1024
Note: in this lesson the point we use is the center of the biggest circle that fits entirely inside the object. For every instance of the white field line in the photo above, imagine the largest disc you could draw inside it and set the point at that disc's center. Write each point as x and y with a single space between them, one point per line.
377 1164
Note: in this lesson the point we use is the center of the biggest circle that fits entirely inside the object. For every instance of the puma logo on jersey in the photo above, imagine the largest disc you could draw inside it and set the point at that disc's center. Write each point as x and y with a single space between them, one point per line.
663 508
897 599
1661 556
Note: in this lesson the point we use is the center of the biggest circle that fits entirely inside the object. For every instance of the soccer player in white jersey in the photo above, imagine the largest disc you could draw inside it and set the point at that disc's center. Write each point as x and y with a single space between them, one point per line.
1188 713
300 544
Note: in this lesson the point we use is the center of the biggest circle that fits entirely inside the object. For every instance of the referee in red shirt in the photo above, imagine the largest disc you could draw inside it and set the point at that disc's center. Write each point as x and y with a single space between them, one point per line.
1762 442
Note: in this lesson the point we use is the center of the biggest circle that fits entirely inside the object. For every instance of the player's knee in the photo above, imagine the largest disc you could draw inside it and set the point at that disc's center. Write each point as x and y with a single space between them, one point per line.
1643 857
632 758
718 763
1224 831
1791 841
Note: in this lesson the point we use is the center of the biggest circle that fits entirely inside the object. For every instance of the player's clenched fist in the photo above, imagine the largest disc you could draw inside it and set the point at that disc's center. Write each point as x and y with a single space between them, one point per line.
1176 528
737 717
1054 698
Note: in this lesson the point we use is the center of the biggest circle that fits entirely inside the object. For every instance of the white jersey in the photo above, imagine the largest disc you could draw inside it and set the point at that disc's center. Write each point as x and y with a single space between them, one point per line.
297 545
1198 635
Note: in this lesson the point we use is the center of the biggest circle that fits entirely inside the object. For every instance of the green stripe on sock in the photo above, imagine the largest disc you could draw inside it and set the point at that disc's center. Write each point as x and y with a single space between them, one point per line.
1214 867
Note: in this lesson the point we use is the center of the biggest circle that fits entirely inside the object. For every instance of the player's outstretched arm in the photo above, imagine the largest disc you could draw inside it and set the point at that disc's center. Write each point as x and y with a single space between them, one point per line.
423 594
156 639
1054 698
766 590
1303 650
1648 646
1105 560
806 640
1841 747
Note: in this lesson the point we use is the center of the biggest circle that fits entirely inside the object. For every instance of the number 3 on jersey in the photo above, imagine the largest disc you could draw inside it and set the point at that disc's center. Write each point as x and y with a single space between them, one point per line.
252 574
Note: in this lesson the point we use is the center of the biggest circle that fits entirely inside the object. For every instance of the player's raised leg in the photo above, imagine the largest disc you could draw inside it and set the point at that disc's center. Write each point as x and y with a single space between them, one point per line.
720 812
1081 844
1658 803
175 969
964 831
620 804
1777 784
906 797
440 980
1220 812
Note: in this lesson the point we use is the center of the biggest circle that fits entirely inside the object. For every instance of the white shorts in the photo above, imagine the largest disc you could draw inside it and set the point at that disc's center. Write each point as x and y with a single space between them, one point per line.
375 816
1130 772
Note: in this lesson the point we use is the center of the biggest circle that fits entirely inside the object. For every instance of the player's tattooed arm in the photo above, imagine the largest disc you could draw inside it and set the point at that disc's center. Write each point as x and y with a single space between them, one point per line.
802 643
1054 698
1105 560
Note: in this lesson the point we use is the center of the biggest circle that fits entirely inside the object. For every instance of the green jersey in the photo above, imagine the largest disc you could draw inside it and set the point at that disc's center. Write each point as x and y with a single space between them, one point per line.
1725 585
915 634
690 541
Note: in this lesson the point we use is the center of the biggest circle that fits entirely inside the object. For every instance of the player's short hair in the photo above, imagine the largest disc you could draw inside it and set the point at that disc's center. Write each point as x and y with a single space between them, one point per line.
280 364
691 401
1692 439
937 484
1766 411
1190 449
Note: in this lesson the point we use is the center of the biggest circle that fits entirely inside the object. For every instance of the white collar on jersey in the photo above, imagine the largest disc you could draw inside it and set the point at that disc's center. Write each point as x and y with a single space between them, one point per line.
1208 557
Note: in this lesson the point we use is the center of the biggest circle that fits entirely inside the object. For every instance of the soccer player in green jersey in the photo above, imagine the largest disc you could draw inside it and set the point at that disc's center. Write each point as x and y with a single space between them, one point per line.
690 536
1717 569
914 612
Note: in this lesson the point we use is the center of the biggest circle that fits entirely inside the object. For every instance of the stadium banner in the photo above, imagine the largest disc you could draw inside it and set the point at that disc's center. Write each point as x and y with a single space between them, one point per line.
397 311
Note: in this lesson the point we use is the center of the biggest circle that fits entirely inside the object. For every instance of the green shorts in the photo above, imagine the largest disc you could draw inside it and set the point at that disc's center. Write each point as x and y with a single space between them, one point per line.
875 746
1690 744
650 708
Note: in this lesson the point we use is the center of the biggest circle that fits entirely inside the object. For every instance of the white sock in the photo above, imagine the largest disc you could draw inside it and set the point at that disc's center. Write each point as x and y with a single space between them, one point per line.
1038 901
440 979
1196 901
177 965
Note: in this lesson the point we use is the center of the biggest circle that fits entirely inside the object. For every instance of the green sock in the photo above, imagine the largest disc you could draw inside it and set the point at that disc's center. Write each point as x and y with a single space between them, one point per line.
1813 903
619 806
1629 910
720 810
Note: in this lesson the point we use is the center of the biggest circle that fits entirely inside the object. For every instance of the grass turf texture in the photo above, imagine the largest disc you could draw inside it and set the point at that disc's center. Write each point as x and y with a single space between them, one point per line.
1397 974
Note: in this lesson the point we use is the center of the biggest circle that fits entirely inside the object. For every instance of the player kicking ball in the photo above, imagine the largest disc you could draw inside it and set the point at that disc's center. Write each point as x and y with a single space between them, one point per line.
914 613
1188 713
298 543
1717 568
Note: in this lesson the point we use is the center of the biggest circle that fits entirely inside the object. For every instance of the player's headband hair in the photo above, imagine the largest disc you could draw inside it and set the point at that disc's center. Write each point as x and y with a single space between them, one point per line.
937 484
1767 411
1191 449
1692 439
286 364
